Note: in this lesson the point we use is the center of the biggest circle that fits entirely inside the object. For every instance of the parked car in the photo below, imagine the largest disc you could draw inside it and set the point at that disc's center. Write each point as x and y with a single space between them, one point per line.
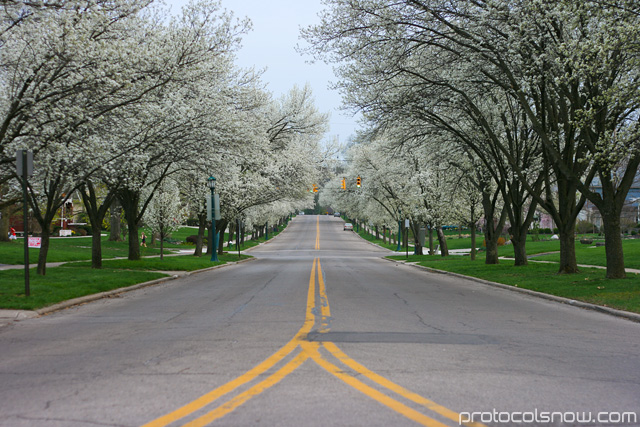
348 226
336 214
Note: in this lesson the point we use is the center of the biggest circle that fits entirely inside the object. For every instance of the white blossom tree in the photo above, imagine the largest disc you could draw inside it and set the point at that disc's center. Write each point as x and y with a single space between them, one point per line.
166 212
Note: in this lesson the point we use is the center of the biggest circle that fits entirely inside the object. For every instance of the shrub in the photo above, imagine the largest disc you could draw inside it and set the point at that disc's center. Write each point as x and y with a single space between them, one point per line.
194 238
584 227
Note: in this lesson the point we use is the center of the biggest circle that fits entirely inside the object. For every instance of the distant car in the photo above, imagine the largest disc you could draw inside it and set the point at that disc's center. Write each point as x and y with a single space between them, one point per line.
348 226
336 214
300 213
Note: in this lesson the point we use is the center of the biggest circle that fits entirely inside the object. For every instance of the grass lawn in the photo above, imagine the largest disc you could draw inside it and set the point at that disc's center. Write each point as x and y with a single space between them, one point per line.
585 254
591 255
64 283
169 263
63 249
77 278
590 285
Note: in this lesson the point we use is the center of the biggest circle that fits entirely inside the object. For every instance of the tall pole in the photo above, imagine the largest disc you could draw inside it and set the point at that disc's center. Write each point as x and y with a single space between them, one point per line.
214 236
25 212
238 236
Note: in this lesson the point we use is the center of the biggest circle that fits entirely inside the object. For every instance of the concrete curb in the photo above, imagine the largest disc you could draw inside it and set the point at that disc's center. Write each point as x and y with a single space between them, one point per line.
606 310
13 315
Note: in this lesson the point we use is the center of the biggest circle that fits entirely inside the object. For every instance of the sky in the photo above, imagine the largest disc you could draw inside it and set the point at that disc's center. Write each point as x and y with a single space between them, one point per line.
271 45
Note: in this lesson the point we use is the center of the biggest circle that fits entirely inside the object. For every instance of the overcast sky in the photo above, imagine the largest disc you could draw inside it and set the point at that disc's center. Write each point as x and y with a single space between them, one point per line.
271 45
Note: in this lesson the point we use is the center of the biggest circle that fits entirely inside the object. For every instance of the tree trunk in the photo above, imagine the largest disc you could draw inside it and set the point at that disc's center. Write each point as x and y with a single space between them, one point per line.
115 224
202 225
44 250
96 213
431 251
568 264
613 247
96 246
415 227
134 242
442 240
129 200
4 224
491 246
493 228
222 224
384 234
519 242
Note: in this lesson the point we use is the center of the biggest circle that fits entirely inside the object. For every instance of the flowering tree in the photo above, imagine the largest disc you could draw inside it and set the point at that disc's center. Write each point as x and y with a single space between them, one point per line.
166 212
571 67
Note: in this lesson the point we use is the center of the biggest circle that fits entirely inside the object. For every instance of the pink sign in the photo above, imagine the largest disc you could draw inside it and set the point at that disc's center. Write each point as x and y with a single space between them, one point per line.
35 242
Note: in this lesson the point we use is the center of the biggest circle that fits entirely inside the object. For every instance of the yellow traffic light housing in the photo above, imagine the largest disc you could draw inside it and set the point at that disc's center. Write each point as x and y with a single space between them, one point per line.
344 184
358 182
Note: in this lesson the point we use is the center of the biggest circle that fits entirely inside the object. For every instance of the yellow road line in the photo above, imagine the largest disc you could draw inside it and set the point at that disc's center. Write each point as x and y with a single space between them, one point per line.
391 403
325 311
308 350
250 375
210 397
272 380
340 355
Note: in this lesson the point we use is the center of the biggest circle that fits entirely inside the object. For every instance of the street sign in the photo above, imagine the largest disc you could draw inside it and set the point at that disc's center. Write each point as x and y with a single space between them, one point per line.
216 205
20 160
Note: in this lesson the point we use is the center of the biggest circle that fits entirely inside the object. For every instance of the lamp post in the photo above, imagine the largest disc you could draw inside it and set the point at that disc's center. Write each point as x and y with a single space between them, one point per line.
211 182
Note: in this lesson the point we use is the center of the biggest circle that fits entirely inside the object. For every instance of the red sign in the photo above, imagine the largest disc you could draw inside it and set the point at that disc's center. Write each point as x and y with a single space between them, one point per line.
35 242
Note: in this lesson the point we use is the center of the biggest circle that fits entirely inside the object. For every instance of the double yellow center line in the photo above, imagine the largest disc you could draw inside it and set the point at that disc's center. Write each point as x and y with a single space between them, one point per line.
299 350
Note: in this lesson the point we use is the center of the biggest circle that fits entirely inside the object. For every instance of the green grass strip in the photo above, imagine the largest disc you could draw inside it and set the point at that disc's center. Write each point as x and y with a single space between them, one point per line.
64 283
590 285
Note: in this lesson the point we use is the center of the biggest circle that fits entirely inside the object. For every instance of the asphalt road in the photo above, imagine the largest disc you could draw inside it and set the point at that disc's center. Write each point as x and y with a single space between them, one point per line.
320 331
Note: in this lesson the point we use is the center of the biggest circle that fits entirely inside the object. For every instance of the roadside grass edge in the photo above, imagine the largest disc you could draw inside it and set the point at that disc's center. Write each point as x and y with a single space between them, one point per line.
576 303
94 297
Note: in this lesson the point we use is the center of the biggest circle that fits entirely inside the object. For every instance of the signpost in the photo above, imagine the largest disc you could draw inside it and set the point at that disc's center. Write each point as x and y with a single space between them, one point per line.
406 236
24 169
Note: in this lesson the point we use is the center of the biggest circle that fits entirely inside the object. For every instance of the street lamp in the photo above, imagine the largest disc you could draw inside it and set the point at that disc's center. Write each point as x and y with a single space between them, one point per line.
211 182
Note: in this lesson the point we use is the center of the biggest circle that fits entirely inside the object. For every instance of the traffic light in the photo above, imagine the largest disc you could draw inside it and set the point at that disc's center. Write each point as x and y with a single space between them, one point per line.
315 188
344 184
358 182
